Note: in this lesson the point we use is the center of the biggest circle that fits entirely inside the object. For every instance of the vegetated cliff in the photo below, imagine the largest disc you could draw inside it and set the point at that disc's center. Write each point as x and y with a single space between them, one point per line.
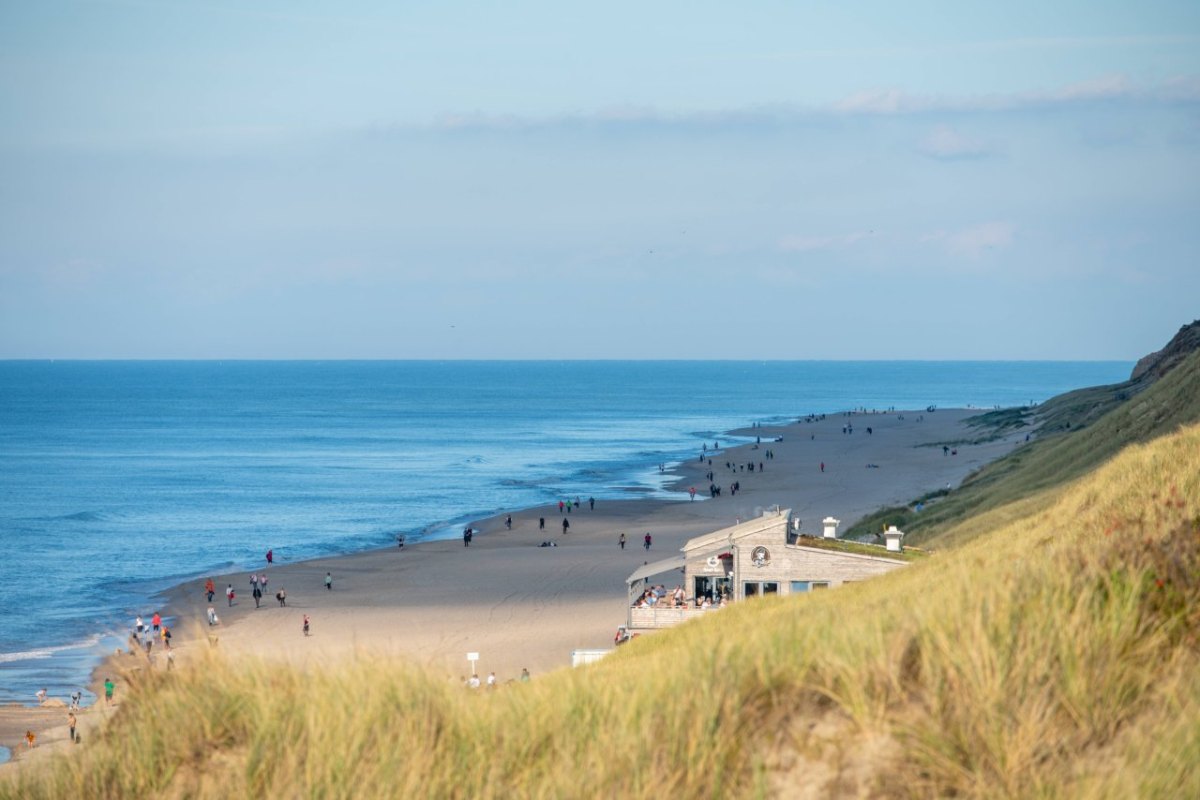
1159 363
1075 433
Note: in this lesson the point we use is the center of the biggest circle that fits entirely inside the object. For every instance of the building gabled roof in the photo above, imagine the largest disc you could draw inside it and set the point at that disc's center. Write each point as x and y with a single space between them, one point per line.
727 536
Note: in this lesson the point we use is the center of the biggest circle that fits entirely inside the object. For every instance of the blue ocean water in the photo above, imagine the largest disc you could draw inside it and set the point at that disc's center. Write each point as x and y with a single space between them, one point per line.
119 479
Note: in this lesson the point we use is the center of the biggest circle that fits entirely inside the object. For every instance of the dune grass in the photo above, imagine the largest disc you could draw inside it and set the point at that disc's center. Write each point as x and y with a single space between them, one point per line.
1055 654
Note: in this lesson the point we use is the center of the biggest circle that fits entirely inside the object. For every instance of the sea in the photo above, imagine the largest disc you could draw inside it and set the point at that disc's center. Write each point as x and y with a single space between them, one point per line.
119 479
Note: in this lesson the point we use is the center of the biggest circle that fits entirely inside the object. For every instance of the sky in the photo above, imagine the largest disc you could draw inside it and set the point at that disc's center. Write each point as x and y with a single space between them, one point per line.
759 180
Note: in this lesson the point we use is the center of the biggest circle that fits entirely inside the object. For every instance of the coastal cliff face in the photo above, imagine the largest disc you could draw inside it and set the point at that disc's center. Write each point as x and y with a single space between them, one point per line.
1160 362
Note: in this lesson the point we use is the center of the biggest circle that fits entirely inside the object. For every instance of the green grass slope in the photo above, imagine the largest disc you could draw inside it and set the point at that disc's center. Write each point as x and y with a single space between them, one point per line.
1057 654
1078 431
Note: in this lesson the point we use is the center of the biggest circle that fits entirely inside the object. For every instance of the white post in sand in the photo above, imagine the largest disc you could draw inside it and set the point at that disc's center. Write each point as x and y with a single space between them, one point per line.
893 535
831 527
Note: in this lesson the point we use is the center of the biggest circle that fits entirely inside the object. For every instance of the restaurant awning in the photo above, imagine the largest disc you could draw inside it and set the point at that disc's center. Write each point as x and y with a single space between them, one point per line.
655 568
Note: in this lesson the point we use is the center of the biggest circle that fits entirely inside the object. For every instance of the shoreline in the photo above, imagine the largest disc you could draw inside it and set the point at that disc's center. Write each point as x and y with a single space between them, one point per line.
522 606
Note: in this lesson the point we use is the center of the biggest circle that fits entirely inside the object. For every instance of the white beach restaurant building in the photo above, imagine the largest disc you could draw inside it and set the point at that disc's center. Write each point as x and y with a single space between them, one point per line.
765 555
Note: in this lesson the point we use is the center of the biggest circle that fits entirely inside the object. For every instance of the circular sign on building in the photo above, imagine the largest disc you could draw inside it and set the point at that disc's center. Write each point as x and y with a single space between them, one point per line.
761 556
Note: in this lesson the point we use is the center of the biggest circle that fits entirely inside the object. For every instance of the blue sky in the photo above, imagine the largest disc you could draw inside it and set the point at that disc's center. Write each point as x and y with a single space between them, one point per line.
632 180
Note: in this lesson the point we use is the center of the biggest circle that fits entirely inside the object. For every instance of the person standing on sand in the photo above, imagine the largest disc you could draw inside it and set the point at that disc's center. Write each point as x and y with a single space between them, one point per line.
306 624
621 541
230 594
592 503
822 466
541 523
566 524
560 506
156 621
647 541
71 725
210 588
524 675
257 595
270 556
281 596
212 615
328 582
508 522
109 687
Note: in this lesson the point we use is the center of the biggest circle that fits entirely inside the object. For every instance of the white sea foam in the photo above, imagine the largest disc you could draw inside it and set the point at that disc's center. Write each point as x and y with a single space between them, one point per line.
46 652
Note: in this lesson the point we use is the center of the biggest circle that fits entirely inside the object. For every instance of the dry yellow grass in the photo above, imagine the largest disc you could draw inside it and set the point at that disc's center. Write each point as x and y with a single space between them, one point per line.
1055 655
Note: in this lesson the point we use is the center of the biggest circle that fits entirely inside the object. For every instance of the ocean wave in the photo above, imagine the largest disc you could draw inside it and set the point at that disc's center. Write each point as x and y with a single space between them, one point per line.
80 516
46 652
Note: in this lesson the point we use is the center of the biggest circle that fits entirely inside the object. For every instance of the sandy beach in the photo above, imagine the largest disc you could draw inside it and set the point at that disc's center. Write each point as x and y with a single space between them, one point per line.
521 606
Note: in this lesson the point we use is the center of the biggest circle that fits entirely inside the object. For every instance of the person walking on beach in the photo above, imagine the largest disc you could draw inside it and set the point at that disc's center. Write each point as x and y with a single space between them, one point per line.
328 582
71 721
592 503
621 541
541 523
210 588
566 524
230 594
467 534
109 687
306 624
258 593
508 522
647 541
270 556
692 492
822 466
138 625
560 506
281 596
212 615
253 582
156 621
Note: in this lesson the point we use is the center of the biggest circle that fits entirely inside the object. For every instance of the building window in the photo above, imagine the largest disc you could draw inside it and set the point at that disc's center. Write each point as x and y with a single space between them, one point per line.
756 588
808 586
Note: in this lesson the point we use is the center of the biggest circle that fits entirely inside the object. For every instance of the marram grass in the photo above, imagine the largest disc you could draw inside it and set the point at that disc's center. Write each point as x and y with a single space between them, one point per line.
1054 655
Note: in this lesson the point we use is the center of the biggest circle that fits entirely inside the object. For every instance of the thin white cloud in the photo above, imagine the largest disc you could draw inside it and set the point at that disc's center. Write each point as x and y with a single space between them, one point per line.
1182 90
947 144
808 244
975 241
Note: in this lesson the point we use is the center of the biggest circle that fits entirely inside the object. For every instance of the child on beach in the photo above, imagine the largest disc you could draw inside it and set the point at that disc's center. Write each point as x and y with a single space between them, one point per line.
328 582
30 738
306 624
212 616
109 687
